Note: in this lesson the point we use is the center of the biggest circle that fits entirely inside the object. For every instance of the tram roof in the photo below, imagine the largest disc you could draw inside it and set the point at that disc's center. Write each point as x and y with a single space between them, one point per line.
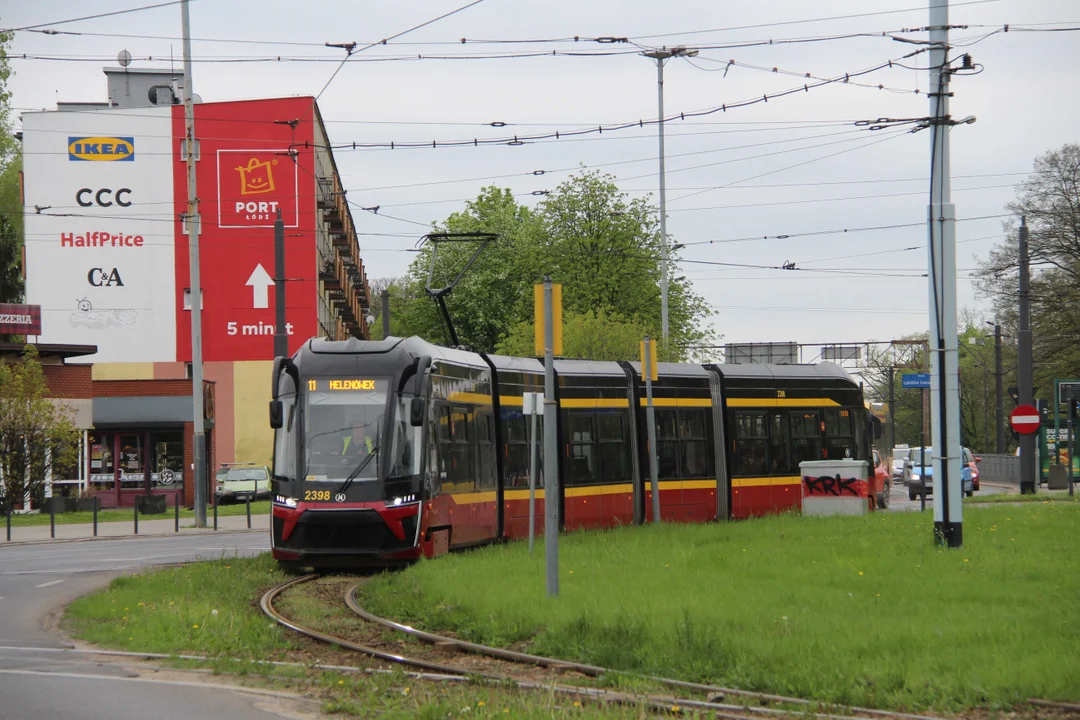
517 364
822 370
589 367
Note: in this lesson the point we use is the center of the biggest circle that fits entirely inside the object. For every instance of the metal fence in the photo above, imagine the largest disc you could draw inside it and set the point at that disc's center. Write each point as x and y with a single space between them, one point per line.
999 468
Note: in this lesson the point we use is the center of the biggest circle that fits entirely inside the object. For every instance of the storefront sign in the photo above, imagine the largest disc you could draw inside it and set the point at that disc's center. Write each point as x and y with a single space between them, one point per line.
20 319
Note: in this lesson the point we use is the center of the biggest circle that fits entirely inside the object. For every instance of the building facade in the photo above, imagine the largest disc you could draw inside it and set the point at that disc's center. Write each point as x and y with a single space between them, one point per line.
107 255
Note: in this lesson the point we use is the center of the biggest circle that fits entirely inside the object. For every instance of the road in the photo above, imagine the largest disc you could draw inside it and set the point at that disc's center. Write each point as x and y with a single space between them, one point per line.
898 501
42 678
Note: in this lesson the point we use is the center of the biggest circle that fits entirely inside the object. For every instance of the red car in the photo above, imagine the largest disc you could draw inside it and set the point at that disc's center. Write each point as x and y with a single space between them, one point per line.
972 462
881 481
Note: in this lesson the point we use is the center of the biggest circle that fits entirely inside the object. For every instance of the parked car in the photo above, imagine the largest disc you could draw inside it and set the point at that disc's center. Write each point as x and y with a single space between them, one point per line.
239 482
899 455
972 462
920 479
881 483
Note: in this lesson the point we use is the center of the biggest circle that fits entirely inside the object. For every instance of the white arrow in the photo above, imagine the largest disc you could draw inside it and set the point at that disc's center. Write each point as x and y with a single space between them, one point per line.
260 282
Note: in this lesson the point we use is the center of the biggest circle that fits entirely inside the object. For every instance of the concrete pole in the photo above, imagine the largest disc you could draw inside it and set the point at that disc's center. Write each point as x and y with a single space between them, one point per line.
281 336
551 452
1025 365
944 360
999 377
892 410
650 417
386 313
198 474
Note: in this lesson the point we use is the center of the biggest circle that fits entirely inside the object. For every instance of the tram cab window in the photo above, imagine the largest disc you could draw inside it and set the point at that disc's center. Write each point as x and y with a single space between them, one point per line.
285 440
750 438
840 436
805 436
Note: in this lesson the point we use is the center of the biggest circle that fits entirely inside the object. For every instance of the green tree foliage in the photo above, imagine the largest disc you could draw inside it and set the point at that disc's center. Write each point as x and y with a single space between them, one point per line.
37 436
11 221
596 335
1050 201
603 247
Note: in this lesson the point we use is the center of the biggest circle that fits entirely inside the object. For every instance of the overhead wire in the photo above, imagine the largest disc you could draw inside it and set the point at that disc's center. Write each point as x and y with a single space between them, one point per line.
94 17
352 51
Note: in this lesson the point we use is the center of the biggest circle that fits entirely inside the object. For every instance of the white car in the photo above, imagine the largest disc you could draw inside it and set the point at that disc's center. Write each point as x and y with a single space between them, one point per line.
899 455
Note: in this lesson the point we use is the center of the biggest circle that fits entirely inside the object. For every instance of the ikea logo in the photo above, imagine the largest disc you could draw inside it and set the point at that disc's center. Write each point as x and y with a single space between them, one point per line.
101 149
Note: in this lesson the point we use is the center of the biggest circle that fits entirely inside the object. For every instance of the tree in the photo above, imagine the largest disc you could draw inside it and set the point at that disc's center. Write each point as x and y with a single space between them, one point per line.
11 209
601 246
1049 199
37 436
595 335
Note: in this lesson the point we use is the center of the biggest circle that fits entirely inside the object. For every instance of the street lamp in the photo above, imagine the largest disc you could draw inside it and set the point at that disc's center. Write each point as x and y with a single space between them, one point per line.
661 56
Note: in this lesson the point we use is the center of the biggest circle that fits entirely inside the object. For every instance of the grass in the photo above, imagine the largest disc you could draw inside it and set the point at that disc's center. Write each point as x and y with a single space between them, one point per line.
260 507
859 610
1043 496
201 608
210 608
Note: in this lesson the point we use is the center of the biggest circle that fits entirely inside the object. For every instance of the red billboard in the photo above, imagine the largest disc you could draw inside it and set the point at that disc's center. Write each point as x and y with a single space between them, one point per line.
20 319
251 165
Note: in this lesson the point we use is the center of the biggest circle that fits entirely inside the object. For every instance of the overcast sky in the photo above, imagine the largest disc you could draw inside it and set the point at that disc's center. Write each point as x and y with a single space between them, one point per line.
793 165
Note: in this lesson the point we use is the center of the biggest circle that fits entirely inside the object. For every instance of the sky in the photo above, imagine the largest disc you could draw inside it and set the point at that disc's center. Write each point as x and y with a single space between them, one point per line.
766 184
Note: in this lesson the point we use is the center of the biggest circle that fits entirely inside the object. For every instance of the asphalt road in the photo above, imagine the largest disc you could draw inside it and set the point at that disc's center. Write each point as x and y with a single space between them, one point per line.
40 676
898 500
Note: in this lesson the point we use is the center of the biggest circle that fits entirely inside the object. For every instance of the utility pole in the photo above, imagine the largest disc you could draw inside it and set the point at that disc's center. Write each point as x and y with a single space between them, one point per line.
892 411
944 377
551 452
386 313
281 335
1025 365
661 56
648 370
193 219
999 377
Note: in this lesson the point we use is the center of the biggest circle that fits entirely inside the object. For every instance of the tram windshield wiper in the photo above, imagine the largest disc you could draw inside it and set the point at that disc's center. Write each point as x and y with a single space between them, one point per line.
358 469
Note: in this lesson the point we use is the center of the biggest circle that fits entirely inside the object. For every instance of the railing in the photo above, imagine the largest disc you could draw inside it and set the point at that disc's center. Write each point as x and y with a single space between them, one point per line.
999 468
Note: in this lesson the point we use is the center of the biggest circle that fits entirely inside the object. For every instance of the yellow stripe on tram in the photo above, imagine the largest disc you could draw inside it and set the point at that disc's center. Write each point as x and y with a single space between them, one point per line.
678 402
594 402
765 481
782 402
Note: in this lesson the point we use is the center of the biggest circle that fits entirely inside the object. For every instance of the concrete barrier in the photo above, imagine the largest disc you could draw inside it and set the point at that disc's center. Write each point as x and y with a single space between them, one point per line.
999 468
836 487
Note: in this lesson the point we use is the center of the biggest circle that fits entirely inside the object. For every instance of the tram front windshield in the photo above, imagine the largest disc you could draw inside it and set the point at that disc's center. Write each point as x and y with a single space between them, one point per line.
344 419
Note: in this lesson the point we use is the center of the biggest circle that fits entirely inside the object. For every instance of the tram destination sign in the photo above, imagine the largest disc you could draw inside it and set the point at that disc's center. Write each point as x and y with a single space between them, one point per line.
915 380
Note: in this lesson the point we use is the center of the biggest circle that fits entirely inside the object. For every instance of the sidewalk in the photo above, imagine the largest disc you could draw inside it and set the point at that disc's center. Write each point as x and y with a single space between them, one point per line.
69 533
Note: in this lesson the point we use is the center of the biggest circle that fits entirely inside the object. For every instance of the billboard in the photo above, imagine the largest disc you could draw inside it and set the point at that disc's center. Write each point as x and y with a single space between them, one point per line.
761 353
99 238
251 166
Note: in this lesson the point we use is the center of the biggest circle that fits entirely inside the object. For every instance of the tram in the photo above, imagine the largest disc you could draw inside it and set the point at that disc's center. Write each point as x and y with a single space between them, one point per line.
392 449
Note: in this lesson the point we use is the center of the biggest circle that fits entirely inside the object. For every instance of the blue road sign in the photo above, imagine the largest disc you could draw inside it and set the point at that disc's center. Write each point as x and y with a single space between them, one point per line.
915 380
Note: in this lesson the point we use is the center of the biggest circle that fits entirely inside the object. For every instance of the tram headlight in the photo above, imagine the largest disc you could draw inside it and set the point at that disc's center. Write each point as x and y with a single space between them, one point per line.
402 500
286 501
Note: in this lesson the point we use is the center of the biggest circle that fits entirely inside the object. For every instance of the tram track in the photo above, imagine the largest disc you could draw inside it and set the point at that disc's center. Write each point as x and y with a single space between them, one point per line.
514 661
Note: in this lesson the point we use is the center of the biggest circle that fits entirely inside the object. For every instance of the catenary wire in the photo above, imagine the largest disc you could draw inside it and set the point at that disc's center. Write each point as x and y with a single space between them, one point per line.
99 15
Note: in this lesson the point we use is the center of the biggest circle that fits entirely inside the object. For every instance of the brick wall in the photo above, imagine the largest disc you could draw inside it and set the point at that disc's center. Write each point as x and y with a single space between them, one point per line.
68 381
142 388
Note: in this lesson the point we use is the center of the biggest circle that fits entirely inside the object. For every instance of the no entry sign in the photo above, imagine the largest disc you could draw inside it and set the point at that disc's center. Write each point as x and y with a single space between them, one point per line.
1025 419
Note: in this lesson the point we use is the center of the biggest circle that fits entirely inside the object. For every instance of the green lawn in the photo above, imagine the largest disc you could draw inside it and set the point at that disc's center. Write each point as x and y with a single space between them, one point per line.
1043 496
261 507
859 610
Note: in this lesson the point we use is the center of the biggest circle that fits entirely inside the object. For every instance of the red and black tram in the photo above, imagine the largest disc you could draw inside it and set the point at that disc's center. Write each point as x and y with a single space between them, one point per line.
439 445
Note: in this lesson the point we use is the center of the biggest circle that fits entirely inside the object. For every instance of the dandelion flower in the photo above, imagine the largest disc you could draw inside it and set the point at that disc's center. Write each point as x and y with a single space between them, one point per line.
577 704
860 572
213 612
195 626
340 682
480 703
965 559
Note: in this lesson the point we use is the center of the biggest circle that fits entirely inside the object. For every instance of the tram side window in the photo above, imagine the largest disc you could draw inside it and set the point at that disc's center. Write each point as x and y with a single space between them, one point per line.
805 436
614 460
582 448
485 449
779 445
840 436
750 439
517 447
694 456
460 470
443 442
667 444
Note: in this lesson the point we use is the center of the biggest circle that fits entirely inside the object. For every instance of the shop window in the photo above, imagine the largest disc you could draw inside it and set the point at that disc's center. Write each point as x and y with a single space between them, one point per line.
102 462
167 459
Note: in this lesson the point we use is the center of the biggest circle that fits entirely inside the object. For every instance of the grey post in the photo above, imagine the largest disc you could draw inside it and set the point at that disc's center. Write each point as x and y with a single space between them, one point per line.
193 219
281 336
532 465
892 410
1026 370
551 452
944 368
1072 443
650 419
999 377
386 313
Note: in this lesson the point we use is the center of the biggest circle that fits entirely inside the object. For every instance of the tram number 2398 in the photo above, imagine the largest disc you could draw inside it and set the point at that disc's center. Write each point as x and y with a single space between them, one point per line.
316 494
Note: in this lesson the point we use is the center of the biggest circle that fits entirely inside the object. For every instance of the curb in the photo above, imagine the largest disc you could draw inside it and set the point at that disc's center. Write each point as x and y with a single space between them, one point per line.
192 531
